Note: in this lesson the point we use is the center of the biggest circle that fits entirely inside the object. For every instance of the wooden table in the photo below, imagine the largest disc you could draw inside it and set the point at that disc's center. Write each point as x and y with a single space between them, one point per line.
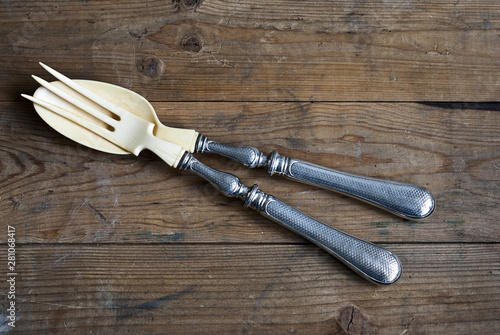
400 90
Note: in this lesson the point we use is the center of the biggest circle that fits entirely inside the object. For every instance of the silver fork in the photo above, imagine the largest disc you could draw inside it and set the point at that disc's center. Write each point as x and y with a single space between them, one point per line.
134 134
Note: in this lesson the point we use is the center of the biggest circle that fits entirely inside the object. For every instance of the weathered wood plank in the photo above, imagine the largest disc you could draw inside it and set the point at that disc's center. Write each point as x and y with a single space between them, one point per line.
280 51
253 289
58 191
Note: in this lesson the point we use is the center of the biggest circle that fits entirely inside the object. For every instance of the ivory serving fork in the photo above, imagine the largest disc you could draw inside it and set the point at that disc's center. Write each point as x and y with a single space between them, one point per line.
133 134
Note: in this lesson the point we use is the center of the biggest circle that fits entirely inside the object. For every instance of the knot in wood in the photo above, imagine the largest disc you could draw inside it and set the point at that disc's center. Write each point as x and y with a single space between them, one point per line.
191 43
151 66
190 4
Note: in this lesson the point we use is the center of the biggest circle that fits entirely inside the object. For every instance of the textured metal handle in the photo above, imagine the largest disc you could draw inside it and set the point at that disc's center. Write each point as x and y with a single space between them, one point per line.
405 200
370 261
228 184
247 156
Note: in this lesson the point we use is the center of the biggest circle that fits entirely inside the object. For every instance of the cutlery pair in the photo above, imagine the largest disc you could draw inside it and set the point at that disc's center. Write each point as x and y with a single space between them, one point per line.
93 114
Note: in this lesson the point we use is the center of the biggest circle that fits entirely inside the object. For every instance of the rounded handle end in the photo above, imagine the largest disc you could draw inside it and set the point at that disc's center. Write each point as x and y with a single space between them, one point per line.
388 272
426 206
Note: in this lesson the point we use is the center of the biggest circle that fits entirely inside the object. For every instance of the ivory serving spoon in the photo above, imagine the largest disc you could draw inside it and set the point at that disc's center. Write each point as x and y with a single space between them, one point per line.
132 134
405 200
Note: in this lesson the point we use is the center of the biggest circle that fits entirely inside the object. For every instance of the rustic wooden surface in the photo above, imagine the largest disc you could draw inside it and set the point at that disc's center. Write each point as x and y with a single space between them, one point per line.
400 90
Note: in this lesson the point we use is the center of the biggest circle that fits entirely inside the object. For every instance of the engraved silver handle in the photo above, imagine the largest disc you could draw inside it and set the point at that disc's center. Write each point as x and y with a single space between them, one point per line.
368 260
408 201
405 200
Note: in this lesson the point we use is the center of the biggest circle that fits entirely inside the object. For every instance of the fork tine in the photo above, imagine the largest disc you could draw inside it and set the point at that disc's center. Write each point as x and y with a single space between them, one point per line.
98 115
103 132
87 93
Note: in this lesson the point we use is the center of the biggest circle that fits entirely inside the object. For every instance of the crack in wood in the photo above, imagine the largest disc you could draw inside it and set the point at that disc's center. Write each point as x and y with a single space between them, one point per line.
351 320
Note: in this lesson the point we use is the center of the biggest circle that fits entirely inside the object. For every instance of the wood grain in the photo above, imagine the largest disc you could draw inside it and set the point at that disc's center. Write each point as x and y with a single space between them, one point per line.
249 289
248 51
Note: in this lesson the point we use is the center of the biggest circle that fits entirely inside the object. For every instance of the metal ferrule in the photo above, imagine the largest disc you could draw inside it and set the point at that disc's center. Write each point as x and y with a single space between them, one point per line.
277 164
256 199
185 161
201 144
